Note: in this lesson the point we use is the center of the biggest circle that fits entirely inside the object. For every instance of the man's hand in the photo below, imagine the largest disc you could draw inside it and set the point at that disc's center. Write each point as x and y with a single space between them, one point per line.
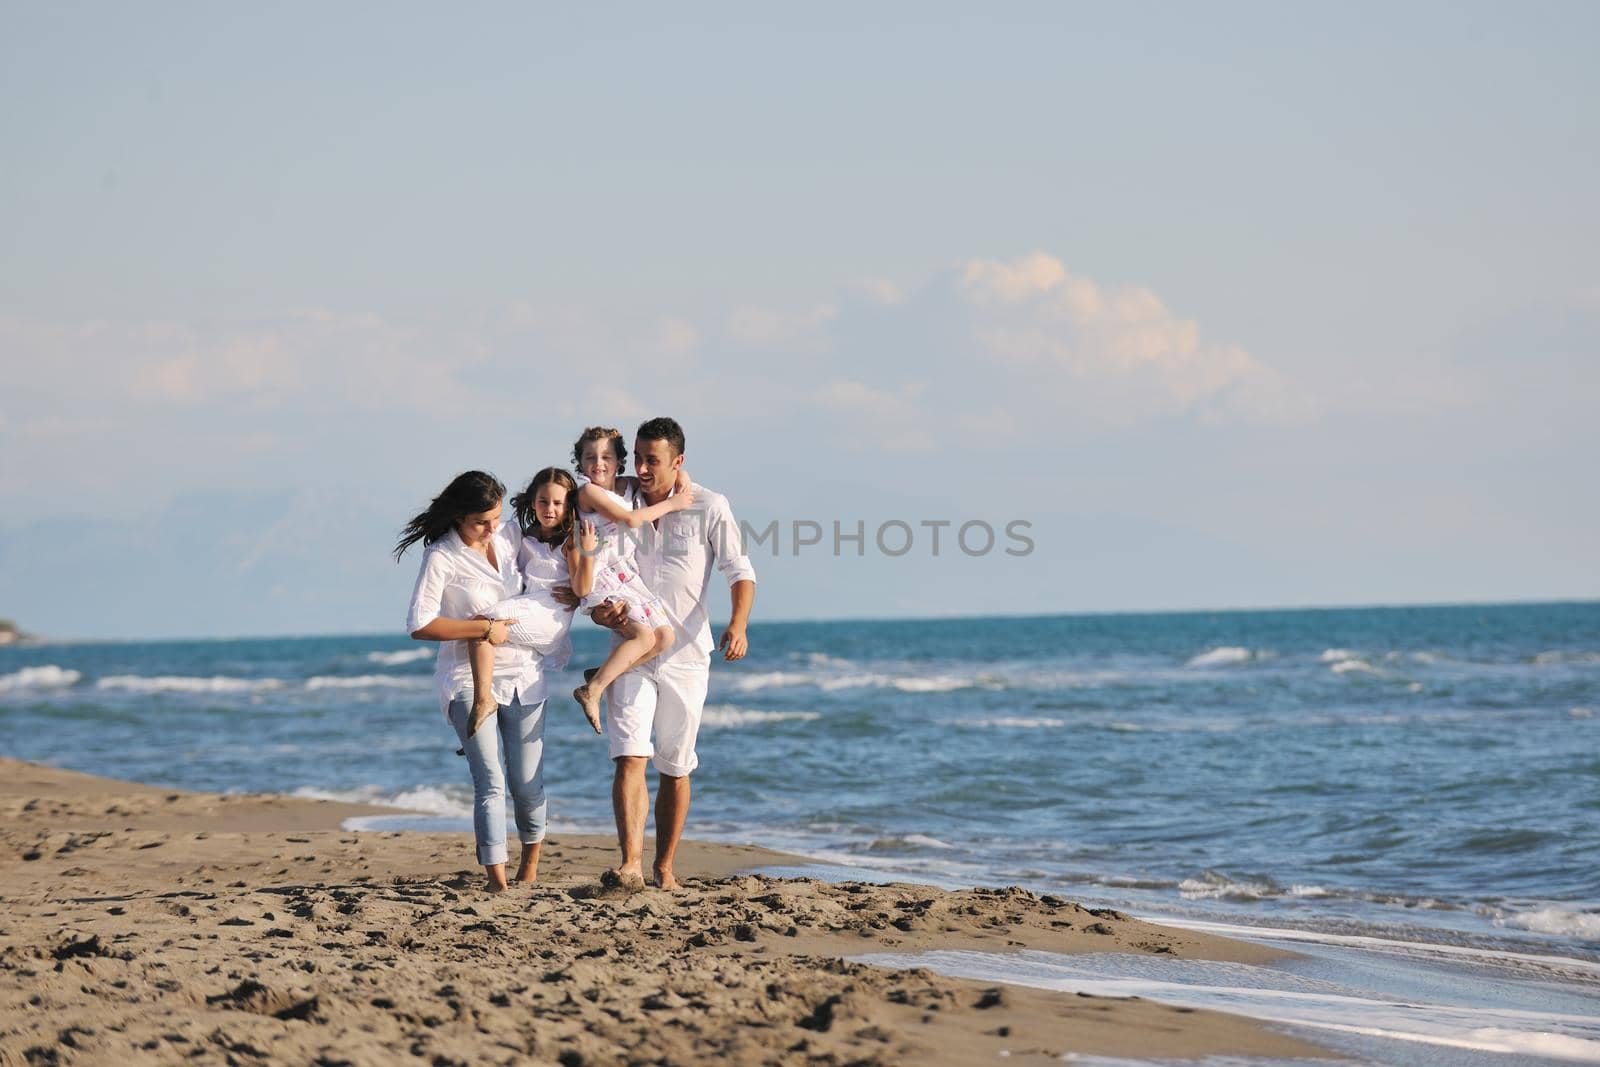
734 644
563 595
613 615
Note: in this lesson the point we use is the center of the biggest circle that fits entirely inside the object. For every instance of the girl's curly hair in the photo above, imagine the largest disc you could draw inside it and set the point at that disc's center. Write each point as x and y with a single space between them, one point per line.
600 433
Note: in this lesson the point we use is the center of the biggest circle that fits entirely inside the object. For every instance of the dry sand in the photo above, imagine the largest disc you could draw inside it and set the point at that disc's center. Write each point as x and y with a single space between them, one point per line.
145 925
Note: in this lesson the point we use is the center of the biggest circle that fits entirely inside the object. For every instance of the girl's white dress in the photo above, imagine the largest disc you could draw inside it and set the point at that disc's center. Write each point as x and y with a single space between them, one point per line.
540 623
615 577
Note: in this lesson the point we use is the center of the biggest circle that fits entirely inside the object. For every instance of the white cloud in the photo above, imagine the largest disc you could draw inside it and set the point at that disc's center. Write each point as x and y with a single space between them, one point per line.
894 418
881 291
676 336
1033 311
312 358
762 326
977 356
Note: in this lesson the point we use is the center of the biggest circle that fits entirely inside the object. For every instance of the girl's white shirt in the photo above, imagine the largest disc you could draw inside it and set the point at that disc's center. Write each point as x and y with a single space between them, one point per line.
454 582
618 542
543 566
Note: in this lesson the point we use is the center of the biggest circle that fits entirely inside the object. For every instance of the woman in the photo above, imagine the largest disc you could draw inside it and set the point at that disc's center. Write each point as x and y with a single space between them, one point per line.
469 564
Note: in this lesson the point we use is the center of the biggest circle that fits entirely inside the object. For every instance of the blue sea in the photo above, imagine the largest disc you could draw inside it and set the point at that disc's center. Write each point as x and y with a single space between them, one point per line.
1417 782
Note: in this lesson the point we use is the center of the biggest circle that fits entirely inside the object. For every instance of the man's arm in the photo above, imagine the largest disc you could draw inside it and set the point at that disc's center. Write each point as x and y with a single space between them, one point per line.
727 545
734 644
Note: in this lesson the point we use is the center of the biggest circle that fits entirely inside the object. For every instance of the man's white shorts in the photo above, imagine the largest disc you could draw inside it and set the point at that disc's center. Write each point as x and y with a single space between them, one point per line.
667 697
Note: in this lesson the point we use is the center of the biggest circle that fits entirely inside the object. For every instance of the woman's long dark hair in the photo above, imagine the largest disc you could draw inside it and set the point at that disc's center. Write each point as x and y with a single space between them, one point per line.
468 494
523 503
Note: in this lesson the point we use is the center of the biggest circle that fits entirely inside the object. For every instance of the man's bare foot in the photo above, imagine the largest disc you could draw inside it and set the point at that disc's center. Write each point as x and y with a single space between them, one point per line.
629 878
666 880
590 700
482 708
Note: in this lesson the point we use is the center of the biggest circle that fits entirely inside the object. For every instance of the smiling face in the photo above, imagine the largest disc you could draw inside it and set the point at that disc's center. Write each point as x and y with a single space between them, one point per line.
477 528
656 466
550 507
599 462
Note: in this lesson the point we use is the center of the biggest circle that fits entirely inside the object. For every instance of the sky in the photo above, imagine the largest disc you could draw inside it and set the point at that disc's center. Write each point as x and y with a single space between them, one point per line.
1230 306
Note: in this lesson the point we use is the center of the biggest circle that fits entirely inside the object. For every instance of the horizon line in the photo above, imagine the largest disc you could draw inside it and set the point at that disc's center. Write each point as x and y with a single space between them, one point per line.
42 641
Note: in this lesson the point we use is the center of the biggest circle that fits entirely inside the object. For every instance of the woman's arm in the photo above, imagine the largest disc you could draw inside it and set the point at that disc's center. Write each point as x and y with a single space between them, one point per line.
423 621
443 629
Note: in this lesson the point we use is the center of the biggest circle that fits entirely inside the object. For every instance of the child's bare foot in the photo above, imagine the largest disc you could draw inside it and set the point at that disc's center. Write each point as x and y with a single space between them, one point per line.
590 700
482 708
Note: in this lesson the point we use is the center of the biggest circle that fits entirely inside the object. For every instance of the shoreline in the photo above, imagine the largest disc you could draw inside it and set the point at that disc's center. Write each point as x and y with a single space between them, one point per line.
143 924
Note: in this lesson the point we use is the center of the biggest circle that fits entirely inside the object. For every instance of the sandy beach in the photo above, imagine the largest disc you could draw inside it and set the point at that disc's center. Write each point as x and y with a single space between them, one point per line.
146 925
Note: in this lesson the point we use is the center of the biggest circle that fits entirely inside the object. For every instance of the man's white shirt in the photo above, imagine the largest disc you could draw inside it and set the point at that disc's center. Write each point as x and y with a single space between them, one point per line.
675 561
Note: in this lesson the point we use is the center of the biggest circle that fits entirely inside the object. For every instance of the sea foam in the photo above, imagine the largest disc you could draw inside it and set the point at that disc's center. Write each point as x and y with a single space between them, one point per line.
757 681
427 799
724 715
1225 656
1557 921
48 676
370 681
395 659
138 683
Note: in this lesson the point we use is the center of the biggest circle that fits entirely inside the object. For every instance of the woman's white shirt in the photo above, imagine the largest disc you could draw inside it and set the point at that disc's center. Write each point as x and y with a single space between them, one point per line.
454 582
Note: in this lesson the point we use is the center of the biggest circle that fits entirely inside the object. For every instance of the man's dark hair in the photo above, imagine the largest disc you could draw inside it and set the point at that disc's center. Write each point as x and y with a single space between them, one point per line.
662 429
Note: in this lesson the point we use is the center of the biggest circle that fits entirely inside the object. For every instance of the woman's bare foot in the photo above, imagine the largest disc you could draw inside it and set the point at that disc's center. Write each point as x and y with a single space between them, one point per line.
590 700
482 708
528 869
665 880
496 875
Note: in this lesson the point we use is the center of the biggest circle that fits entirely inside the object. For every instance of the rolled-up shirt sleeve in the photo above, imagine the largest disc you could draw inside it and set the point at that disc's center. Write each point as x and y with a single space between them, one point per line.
727 543
432 577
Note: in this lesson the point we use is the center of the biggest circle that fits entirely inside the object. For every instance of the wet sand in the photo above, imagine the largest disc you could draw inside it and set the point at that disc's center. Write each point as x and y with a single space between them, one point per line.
148 925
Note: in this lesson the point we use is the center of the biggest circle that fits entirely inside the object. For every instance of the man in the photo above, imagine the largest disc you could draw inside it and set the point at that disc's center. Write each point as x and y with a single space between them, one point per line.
668 694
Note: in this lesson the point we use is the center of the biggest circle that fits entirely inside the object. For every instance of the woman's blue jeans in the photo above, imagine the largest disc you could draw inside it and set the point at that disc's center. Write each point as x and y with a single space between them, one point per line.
518 729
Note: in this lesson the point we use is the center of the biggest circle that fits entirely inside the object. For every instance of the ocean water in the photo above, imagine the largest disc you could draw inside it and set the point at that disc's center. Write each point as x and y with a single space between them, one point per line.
1414 775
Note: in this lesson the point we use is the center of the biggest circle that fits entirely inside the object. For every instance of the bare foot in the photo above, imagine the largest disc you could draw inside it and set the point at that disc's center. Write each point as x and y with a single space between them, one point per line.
482 708
495 887
666 880
586 696
528 869
629 878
